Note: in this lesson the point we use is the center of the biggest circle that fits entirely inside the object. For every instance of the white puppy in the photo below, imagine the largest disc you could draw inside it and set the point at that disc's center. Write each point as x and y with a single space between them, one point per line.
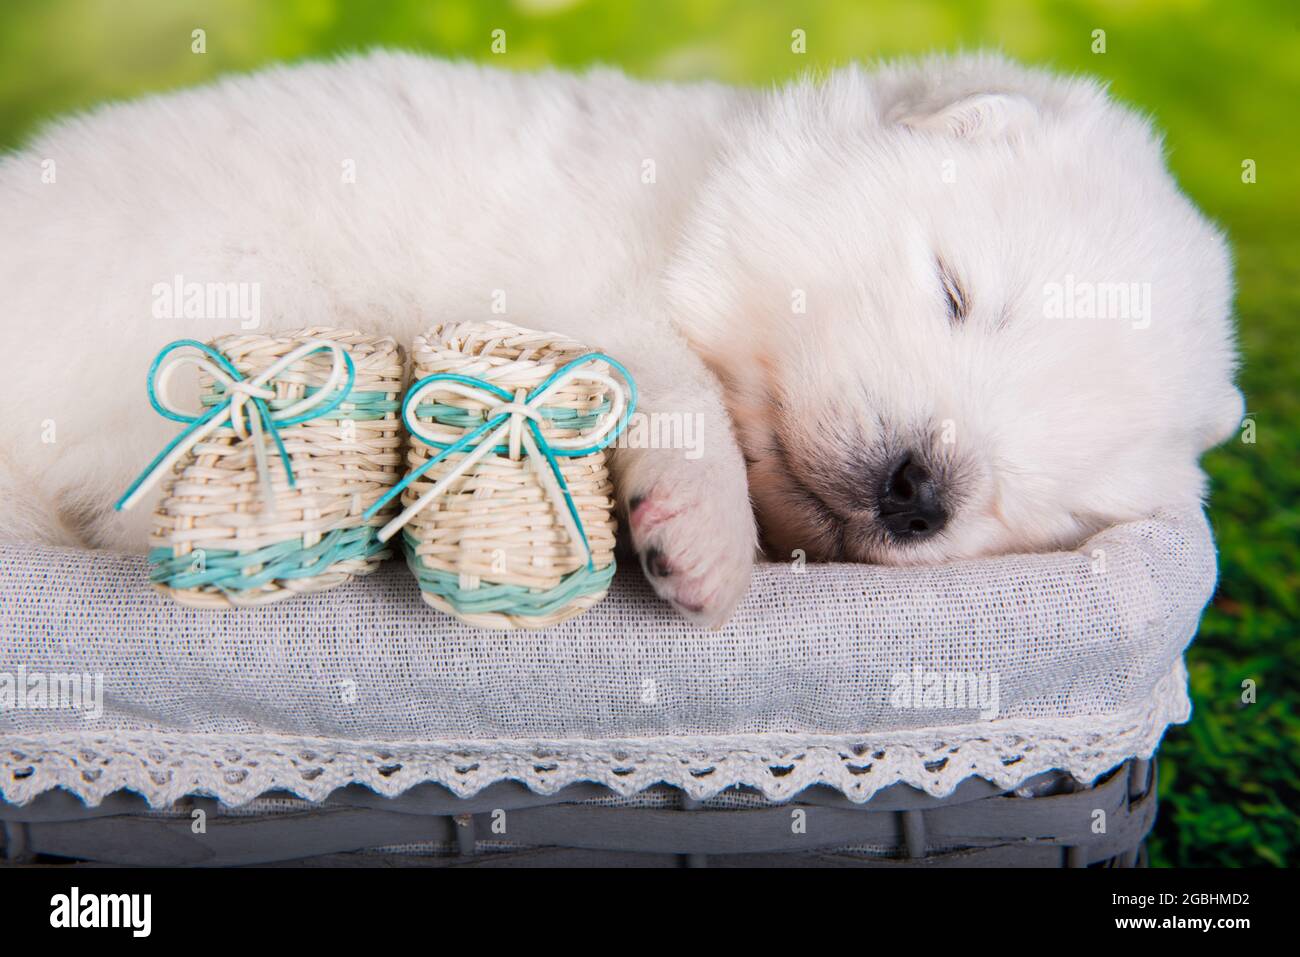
936 310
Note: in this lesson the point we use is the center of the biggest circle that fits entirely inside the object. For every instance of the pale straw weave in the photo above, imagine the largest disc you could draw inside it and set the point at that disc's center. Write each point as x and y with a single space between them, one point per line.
495 525
342 462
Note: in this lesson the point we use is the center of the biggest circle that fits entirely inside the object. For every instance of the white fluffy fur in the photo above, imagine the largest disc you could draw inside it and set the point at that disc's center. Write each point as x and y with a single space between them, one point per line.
846 191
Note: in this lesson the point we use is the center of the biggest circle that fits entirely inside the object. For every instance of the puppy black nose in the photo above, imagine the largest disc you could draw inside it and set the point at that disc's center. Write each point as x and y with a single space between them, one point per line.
910 503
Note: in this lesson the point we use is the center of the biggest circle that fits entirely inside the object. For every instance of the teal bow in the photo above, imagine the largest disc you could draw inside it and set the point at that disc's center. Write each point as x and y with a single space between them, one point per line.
505 417
233 411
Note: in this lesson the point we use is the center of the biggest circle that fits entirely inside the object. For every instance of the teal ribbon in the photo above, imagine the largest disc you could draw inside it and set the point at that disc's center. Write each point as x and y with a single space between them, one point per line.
196 423
469 442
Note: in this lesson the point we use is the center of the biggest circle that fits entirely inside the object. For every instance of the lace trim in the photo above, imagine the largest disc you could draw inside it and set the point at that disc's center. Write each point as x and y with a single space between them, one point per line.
164 766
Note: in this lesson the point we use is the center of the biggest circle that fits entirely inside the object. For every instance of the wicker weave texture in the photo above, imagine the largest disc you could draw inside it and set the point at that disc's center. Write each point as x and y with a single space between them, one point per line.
1049 822
213 509
494 536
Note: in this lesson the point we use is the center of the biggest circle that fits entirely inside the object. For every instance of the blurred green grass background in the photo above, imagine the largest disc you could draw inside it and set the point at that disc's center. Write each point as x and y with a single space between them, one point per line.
1221 78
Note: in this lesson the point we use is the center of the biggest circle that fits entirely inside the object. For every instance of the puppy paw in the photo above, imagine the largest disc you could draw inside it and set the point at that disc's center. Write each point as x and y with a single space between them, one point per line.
696 540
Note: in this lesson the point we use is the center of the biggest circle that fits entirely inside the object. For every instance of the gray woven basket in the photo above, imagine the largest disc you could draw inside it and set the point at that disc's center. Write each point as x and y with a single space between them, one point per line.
1051 821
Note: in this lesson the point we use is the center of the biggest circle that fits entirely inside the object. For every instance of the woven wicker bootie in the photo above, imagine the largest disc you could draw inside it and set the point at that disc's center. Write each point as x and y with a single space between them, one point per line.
508 516
264 492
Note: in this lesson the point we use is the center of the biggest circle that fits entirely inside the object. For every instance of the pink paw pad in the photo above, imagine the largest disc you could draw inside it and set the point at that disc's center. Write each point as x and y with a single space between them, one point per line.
645 512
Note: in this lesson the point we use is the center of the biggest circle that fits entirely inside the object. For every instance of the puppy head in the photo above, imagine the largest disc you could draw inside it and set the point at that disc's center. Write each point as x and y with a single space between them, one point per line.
959 308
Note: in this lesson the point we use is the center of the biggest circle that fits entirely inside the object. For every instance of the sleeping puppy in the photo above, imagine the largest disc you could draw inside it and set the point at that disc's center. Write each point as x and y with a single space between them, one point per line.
936 310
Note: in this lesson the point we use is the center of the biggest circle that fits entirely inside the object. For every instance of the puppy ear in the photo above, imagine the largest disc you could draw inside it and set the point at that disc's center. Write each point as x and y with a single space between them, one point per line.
980 116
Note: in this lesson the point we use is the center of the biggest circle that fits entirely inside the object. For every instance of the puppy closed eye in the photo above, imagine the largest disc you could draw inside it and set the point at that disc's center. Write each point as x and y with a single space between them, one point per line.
954 294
